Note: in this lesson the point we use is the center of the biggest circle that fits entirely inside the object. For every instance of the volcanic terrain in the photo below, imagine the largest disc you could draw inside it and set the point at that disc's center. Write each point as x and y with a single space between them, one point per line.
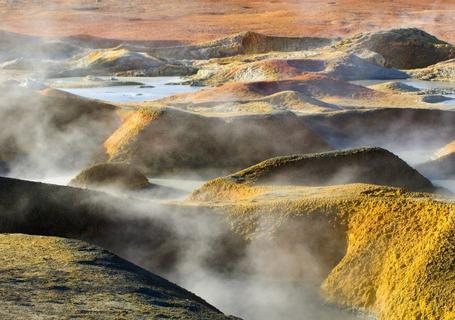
280 160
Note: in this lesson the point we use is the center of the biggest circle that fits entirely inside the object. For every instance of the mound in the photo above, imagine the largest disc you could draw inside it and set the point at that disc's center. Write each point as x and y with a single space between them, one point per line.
144 232
351 67
367 165
36 122
56 274
198 142
249 104
345 67
310 84
443 71
435 98
122 61
396 87
385 251
402 48
117 176
242 43
266 70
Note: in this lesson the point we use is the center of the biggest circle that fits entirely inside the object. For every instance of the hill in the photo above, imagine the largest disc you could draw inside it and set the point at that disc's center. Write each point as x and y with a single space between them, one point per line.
339 65
35 122
367 165
143 232
384 251
53 275
306 93
310 84
347 227
199 142
110 176
123 61
402 48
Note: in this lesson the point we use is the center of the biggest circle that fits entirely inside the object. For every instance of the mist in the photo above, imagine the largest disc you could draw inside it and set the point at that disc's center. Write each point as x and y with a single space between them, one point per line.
268 268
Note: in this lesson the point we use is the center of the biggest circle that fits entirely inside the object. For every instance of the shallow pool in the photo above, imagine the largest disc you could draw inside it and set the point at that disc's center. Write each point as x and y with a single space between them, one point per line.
151 88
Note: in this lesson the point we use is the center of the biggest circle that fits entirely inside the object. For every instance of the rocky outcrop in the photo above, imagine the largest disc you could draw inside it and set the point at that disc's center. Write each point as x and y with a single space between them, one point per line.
401 48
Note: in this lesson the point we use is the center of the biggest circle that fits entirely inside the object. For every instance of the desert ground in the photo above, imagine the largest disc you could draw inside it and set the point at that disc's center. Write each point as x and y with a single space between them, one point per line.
203 20
227 160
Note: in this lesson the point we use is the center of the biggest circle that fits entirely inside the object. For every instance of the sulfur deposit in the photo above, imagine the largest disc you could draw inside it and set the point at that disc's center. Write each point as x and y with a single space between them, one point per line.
397 247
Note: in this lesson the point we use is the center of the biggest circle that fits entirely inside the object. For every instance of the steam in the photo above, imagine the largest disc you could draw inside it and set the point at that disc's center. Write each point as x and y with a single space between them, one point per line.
268 276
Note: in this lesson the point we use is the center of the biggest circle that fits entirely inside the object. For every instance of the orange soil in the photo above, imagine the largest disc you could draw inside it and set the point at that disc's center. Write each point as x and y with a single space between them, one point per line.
309 84
446 150
202 20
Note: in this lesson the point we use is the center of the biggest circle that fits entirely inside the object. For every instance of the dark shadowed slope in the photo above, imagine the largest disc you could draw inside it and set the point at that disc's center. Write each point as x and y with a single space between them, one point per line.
199 142
44 129
390 128
49 277
140 231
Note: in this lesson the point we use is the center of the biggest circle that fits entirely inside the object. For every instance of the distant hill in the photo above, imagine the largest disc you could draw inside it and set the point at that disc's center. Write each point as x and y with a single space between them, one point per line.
402 48
241 43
